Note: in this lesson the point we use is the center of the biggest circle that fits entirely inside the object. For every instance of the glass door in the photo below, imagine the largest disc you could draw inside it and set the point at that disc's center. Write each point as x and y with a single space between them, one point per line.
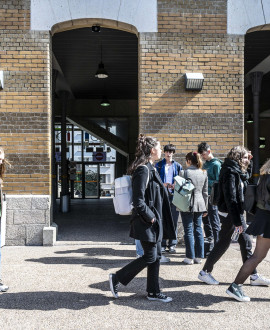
91 181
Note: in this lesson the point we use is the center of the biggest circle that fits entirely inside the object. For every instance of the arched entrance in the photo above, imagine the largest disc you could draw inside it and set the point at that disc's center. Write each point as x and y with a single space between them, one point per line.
93 141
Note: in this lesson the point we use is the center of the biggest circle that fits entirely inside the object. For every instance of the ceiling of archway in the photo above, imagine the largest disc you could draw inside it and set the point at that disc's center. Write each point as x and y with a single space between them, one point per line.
257 49
78 53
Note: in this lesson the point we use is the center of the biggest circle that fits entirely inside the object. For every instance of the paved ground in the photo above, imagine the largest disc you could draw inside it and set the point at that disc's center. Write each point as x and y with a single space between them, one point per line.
66 287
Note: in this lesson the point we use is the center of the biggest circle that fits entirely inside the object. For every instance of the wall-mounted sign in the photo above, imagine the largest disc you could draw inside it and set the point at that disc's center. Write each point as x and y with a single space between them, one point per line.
99 156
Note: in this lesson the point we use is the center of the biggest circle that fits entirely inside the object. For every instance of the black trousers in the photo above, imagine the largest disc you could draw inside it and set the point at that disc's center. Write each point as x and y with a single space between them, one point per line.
225 234
151 260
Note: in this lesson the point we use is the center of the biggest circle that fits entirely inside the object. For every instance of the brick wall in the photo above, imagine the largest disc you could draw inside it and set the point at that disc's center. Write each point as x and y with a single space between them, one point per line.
186 118
25 100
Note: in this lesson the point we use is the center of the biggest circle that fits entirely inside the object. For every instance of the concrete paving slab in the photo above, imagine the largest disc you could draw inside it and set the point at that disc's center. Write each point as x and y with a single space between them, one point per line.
66 287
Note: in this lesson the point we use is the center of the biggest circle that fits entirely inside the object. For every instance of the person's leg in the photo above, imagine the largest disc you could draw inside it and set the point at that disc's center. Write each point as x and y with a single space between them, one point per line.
245 243
139 248
225 234
207 227
175 216
261 250
214 220
198 234
187 219
152 254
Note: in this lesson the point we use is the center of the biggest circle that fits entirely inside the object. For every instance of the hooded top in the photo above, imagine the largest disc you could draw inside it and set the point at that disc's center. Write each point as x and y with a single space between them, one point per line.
212 167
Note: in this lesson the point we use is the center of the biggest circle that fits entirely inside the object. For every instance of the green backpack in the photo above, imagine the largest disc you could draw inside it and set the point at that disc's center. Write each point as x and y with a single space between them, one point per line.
183 197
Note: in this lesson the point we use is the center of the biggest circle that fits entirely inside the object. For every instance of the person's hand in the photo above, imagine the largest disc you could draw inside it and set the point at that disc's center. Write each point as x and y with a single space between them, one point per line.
165 184
153 220
204 214
239 229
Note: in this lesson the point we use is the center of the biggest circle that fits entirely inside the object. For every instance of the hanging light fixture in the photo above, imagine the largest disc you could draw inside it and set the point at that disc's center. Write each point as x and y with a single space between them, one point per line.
249 119
101 72
105 102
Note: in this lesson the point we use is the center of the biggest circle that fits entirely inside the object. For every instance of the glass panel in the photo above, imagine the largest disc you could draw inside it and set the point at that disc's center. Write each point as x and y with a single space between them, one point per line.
69 140
77 144
107 179
58 180
78 182
91 181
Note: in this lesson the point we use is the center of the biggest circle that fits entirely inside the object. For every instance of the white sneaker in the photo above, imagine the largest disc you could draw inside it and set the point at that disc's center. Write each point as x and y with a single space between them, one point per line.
164 259
258 279
207 278
198 260
188 261
3 288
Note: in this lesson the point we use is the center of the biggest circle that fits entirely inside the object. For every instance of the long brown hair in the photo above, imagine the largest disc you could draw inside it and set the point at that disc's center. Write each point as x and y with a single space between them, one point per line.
3 164
195 159
143 151
237 153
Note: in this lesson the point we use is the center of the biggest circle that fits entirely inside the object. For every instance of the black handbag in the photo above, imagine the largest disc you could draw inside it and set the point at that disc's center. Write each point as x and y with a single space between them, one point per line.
250 198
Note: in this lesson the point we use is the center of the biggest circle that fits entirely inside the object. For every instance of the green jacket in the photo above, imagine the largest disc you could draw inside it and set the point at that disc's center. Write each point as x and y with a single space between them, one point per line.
212 167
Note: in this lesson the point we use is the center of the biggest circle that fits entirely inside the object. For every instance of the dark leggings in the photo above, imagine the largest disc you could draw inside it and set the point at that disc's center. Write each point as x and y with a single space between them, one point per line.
225 234
261 250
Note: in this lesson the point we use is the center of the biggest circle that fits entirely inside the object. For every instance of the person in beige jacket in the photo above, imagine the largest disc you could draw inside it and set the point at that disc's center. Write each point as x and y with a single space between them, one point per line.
192 221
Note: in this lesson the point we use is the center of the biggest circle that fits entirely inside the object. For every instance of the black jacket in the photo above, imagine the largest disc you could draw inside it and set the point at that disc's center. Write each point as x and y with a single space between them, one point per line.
231 190
263 192
149 203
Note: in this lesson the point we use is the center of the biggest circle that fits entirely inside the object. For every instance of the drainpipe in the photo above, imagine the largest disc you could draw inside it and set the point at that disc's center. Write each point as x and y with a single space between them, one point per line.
256 81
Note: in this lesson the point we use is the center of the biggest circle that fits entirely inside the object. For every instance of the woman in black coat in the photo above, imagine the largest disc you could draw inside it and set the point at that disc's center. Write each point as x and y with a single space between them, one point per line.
151 219
232 181
260 227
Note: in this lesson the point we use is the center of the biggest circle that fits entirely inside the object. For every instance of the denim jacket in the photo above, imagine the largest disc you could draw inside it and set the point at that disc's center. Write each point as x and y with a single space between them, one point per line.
160 166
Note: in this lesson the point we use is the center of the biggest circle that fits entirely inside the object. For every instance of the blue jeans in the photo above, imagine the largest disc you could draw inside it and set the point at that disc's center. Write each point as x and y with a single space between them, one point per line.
212 223
175 216
192 223
139 248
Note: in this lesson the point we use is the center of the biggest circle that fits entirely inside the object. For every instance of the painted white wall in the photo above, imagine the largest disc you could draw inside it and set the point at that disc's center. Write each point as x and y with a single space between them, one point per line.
246 14
140 13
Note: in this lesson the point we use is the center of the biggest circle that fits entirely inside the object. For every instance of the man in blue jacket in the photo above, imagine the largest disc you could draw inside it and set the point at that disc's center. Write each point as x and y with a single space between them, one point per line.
212 165
168 169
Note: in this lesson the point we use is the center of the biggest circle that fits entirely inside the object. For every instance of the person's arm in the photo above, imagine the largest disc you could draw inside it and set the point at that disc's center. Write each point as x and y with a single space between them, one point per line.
230 197
205 191
139 181
216 171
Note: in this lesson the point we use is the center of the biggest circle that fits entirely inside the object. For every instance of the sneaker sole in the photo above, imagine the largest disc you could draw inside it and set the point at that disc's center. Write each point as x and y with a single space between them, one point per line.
236 298
156 299
258 284
111 287
203 280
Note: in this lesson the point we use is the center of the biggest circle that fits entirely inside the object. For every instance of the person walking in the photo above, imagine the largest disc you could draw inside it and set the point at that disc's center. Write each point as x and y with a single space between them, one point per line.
151 220
3 288
212 165
260 227
192 221
235 171
168 169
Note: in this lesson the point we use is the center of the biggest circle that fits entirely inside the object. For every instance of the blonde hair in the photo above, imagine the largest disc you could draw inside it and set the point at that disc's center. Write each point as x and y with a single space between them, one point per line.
3 164
265 169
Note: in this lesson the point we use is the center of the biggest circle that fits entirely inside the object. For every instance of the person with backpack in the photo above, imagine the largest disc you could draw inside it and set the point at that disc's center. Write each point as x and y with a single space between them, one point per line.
151 220
192 221
3 288
260 227
168 169
234 175
212 165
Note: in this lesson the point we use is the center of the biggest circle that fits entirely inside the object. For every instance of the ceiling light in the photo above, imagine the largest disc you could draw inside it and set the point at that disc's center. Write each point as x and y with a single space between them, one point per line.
194 81
249 119
101 72
95 28
105 102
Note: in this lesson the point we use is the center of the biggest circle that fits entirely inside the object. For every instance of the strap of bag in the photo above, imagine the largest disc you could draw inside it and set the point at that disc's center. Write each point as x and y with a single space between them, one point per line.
192 192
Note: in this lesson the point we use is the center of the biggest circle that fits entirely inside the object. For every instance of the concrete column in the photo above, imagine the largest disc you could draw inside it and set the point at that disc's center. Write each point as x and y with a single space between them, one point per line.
64 166
256 80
